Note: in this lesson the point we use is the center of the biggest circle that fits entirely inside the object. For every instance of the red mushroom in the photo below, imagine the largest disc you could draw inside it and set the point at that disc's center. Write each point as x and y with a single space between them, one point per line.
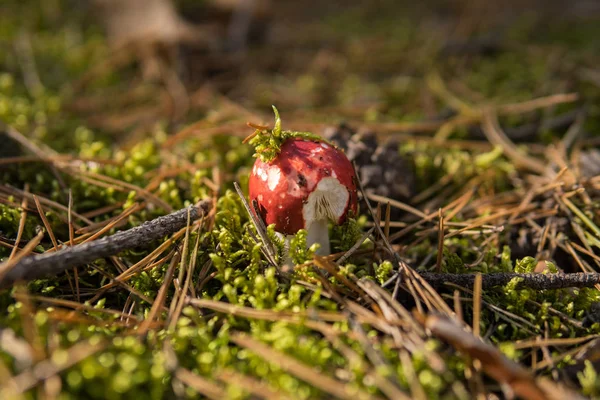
307 184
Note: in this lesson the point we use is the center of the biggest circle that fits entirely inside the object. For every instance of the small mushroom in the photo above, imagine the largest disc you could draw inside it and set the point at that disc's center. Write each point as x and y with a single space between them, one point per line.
307 184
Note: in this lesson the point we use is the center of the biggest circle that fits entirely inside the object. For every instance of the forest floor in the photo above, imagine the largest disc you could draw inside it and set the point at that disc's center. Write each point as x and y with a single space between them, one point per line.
471 270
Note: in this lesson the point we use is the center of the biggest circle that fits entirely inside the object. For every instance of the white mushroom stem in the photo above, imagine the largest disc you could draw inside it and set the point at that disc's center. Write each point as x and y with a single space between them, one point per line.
318 232
328 201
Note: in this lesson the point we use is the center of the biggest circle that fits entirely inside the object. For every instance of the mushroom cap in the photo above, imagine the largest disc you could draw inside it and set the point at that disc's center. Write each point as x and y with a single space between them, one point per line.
308 180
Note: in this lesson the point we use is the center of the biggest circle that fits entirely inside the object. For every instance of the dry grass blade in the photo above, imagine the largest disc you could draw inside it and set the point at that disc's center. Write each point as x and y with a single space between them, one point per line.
316 321
509 317
417 392
268 248
21 225
104 226
477 305
249 384
381 297
588 222
268 315
31 377
415 283
397 204
7 266
440 248
354 247
412 335
493 362
302 371
535 104
436 85
553 342
148 262
200 384
41 151
20 350
159 301
491 129
457 306
47 202
332 269
457 205
191 267
30 328
71 304
46 223
387 382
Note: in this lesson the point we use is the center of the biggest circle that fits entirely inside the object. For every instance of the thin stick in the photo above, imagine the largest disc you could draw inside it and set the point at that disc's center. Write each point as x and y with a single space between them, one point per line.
440 253
45 221
141 236
21 225
388 212
268 248
532 281
477 305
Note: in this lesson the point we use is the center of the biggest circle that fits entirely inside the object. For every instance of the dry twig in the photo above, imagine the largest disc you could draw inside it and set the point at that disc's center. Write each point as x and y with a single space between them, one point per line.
493 362
53 263
531 281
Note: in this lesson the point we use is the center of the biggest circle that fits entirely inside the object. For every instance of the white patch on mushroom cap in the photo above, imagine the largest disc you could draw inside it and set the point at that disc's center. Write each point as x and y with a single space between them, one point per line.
294 189
262 174
324 145
274 175
260 197
327 201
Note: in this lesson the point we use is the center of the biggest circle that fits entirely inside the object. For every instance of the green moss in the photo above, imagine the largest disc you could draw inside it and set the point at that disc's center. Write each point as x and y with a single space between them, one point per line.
267 144
589 381
375 66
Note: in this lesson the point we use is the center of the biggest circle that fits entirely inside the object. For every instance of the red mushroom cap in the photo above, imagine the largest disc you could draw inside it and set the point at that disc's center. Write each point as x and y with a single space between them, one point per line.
307 181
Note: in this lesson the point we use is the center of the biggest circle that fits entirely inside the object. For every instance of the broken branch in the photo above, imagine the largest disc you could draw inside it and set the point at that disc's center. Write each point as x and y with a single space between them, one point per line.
531 281
51 263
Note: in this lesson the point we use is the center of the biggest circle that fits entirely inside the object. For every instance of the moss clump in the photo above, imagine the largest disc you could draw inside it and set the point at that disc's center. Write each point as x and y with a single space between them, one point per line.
267 144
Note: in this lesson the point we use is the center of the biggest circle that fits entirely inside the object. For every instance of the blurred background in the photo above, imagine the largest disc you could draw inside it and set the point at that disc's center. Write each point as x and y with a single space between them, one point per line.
120 67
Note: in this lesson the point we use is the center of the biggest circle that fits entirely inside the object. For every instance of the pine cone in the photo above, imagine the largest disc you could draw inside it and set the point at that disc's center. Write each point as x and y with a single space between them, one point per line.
381 168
